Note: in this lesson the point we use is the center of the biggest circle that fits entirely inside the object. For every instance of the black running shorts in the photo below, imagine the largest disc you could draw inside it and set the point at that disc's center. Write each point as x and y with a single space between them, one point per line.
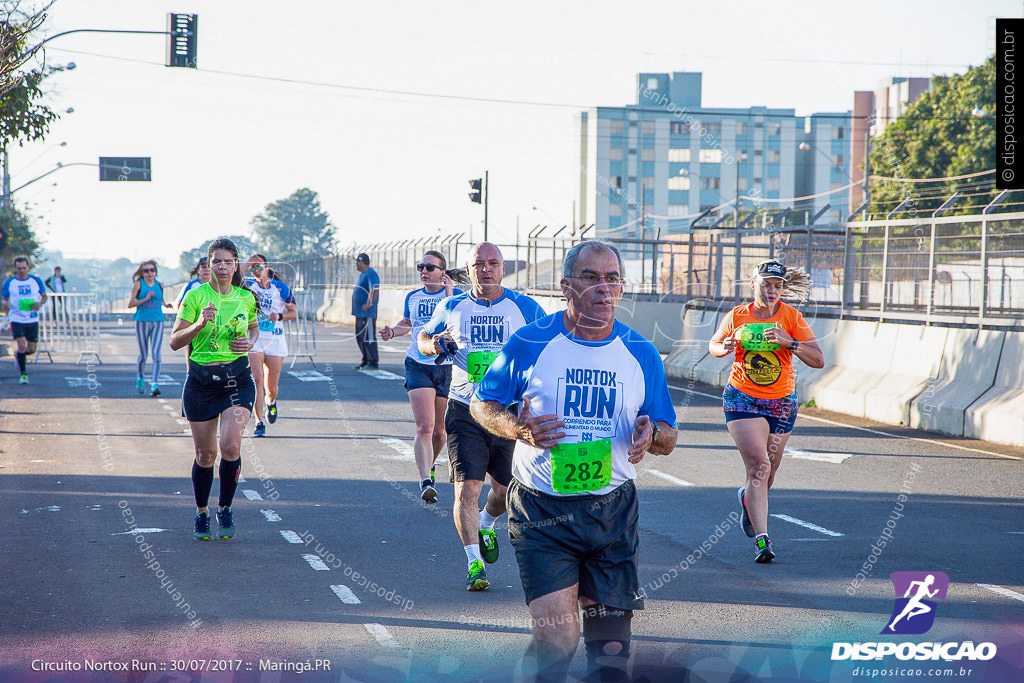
588 540
473 452
212 389
421 376
30 331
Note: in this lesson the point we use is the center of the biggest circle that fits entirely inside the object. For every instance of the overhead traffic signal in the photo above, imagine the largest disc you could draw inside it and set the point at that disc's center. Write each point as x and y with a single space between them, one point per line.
476 195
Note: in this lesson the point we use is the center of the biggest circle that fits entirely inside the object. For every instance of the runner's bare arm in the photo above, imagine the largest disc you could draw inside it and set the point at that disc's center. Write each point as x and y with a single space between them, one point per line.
541 431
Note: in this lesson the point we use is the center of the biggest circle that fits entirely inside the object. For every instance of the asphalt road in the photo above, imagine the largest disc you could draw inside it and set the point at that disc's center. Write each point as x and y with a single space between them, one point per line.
337 565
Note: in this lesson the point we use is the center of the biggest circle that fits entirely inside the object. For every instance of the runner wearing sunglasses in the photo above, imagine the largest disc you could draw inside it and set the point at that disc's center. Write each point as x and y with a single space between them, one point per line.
426 381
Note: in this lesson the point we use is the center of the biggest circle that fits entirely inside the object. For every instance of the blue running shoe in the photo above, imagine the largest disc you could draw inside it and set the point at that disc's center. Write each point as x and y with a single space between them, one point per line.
261 429
202 528
140 385
226 522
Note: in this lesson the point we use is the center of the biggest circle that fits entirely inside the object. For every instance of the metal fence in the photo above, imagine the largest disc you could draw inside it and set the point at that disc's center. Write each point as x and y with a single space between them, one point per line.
69 323
957 270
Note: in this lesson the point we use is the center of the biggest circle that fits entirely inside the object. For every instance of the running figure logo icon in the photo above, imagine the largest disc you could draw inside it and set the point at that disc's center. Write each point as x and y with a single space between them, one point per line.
914 613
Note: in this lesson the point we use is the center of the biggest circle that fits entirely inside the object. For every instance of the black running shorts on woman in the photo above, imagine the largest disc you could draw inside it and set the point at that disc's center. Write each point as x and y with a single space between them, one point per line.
564 540
212 389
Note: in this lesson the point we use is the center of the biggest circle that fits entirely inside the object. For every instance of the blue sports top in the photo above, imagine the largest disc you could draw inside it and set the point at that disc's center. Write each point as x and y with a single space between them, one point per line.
597 388
152 310
419 307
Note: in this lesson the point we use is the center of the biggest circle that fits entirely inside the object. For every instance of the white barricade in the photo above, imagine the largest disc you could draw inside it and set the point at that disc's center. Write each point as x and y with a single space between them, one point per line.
69 323
302 331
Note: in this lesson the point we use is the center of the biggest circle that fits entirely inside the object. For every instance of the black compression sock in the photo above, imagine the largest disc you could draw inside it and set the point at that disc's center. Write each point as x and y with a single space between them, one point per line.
20 357
229 470
202 482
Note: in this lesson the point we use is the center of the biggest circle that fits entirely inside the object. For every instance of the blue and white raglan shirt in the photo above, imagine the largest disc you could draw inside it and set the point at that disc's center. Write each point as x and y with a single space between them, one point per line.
22 294
192 284
480 328
597 388
269 302
419 307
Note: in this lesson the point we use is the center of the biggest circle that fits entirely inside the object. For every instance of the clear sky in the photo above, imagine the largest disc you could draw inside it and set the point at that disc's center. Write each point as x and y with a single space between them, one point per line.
388 108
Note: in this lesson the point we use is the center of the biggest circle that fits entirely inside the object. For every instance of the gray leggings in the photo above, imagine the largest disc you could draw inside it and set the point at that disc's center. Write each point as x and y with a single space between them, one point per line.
150 335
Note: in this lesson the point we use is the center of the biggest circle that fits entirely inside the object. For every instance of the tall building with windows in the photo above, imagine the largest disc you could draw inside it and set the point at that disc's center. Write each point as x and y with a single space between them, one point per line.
667 159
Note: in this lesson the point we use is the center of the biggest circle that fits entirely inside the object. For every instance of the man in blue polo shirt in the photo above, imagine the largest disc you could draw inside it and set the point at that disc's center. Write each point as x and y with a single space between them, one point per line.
593 401
364 308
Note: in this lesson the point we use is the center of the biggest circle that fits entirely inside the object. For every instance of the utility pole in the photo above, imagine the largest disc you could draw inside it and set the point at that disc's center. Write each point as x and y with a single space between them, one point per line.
6 199
487 195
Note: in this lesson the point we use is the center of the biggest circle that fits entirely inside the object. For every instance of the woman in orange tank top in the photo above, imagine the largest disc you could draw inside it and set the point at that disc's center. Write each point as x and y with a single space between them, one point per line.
760 398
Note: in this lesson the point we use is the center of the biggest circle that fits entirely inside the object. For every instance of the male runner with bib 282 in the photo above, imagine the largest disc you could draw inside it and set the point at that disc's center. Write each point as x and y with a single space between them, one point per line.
593 401
478 323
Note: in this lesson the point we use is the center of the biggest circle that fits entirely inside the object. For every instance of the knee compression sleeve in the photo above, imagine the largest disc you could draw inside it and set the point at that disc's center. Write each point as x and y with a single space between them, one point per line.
606 634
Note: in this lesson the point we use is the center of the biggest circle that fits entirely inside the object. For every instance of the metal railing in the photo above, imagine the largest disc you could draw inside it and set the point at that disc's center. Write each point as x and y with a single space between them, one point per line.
69 323
956 270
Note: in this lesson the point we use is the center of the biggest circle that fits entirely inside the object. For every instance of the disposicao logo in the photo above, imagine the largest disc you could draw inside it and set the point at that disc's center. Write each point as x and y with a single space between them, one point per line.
914 612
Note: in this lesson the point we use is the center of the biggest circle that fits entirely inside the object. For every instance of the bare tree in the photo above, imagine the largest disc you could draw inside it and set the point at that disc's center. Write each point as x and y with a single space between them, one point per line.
17 24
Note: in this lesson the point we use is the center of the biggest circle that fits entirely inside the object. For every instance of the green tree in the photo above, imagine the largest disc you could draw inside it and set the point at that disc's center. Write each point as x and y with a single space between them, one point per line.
938 137
188 259
20 239
294 227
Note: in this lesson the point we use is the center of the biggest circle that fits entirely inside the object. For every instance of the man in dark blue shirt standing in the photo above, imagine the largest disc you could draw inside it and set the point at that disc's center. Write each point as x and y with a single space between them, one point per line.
364 308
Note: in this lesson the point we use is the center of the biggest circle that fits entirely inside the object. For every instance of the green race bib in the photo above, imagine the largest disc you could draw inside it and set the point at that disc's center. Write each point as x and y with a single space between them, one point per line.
581 467
477 363
752 337
25 304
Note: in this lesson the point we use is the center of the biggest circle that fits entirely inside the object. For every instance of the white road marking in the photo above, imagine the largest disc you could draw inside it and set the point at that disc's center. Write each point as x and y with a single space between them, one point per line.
807 525
381 635
381 374
390 349
241 479
404 449
251 495
271 515
669 477
870 431
345 594
309 376
166 379
168 408
834 458
181 421
161 400
291 536
139 531
316 563
1002 591
83 382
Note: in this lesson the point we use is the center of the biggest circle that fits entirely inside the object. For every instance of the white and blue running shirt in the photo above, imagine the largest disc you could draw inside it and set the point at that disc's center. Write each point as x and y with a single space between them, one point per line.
419 307
480 328
598 388
269 302
22 294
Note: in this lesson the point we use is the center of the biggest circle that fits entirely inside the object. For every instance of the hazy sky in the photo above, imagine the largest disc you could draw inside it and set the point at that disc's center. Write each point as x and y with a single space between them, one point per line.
387 109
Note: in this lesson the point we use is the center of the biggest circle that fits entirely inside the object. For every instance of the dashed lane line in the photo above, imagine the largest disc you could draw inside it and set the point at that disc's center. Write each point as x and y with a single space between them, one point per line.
291 536
669 477
345 594
381 635
807 525
251 495
1002 591
316 563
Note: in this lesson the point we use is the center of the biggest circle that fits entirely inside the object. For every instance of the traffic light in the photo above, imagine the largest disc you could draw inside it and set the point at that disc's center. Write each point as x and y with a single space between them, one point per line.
476 195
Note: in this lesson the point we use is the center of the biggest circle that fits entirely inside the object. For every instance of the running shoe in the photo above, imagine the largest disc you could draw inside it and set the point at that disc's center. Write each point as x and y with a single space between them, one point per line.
361 366
226 522
202 529
140 385
764 552
489 545
476 579
432 480
272 413
23 380
748 528
427 491
156 391
261 429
